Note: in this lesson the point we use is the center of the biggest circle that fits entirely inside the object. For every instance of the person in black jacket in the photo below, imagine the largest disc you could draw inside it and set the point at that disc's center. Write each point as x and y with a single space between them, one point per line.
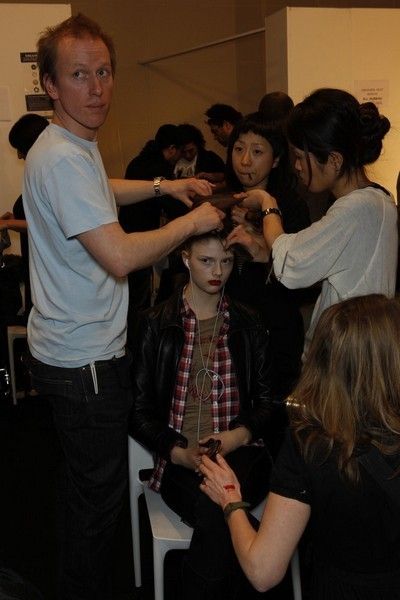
156 159
201 377
258 158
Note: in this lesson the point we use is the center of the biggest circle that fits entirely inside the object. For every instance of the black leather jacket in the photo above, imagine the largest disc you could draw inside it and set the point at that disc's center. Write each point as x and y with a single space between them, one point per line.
159 345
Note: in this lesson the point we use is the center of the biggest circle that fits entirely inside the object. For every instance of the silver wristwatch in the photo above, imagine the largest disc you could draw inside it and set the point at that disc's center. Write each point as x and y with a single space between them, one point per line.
156 185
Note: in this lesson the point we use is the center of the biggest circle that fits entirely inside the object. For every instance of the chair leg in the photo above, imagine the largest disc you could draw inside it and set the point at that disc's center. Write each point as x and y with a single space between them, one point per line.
296 580
137 563
159 552
12 369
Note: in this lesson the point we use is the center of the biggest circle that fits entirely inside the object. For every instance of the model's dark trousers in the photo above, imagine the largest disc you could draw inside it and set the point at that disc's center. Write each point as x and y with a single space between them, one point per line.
90 412
211 570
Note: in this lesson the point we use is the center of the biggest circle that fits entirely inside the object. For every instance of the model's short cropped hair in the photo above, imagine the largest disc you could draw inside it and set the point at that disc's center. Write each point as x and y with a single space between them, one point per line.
78 26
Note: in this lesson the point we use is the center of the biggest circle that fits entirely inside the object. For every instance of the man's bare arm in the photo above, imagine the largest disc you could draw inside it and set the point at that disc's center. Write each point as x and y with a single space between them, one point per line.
129 191
120 253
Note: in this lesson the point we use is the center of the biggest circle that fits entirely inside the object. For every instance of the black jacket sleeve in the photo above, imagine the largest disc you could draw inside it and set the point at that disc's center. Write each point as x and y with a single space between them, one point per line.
152 391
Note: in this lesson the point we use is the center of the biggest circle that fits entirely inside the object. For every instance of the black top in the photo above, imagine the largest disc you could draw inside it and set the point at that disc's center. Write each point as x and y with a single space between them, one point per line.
19 213
254 284
145 215
355 529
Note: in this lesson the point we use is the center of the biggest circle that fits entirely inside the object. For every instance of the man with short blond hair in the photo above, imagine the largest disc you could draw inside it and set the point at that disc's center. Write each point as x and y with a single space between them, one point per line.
79 259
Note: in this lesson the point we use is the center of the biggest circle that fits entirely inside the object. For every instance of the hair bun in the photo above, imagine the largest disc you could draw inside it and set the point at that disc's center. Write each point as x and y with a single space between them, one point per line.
374 127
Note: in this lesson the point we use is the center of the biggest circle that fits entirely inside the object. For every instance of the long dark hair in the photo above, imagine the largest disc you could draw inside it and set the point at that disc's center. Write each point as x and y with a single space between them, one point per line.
331 120
281 179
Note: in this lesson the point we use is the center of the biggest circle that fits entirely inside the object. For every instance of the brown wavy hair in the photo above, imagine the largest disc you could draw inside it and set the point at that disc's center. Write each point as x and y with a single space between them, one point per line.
348 396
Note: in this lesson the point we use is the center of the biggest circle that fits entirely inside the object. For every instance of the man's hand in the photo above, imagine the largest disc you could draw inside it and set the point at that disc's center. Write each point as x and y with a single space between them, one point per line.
185 189
6 216
206 218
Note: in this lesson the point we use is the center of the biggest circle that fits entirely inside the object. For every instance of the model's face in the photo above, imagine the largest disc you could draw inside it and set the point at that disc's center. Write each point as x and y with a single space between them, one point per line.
189 151
83 88
318 177
222 132
210 265
253 160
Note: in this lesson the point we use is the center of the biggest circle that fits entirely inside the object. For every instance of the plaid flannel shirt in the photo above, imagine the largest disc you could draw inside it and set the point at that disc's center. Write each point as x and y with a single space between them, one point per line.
224 407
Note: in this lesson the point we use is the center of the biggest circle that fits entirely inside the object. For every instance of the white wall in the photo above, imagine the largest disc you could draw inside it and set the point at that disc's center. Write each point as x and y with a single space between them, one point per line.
20 26
334 47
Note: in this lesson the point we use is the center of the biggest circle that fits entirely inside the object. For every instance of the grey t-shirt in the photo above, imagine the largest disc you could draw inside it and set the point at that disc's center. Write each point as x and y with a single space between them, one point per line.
79 312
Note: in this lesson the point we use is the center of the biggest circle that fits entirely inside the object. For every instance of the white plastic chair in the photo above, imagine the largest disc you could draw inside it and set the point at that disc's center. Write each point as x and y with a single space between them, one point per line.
169 533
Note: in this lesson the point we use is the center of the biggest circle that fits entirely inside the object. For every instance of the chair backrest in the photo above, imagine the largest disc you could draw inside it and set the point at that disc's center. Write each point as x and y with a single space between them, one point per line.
138 458
143 458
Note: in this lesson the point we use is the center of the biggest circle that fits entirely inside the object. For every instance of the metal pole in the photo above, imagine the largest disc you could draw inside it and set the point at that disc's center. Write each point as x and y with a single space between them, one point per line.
148 61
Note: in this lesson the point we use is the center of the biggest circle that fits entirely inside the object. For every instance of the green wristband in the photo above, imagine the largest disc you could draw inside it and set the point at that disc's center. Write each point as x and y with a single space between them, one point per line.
231 506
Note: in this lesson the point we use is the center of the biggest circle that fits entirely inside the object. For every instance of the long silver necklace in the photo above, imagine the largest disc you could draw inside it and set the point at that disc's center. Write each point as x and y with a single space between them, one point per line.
205 373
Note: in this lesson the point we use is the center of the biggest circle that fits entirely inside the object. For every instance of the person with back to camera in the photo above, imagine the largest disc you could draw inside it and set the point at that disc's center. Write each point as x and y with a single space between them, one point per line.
258 159
339 467
353 248
79 259
155 161
23 134
201 376
276 106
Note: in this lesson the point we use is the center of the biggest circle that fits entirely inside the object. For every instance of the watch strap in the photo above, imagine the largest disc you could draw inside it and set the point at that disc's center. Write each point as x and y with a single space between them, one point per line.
271 211
231 506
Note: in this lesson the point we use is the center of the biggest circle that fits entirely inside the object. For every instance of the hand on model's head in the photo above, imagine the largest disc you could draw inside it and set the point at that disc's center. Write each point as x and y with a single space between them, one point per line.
206 218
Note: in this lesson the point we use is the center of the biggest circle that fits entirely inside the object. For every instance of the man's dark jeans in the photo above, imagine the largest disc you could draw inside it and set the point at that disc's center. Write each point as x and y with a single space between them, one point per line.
90 411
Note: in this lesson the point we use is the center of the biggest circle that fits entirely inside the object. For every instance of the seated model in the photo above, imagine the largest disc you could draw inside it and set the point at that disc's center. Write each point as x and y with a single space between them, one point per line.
201 372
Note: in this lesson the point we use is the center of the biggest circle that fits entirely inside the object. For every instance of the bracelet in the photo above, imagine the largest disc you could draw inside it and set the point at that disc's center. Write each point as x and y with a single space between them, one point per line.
156 185
271 211
231 506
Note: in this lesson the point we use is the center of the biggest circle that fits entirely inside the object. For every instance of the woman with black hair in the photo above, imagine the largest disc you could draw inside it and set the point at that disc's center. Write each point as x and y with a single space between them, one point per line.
352 250
258 159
